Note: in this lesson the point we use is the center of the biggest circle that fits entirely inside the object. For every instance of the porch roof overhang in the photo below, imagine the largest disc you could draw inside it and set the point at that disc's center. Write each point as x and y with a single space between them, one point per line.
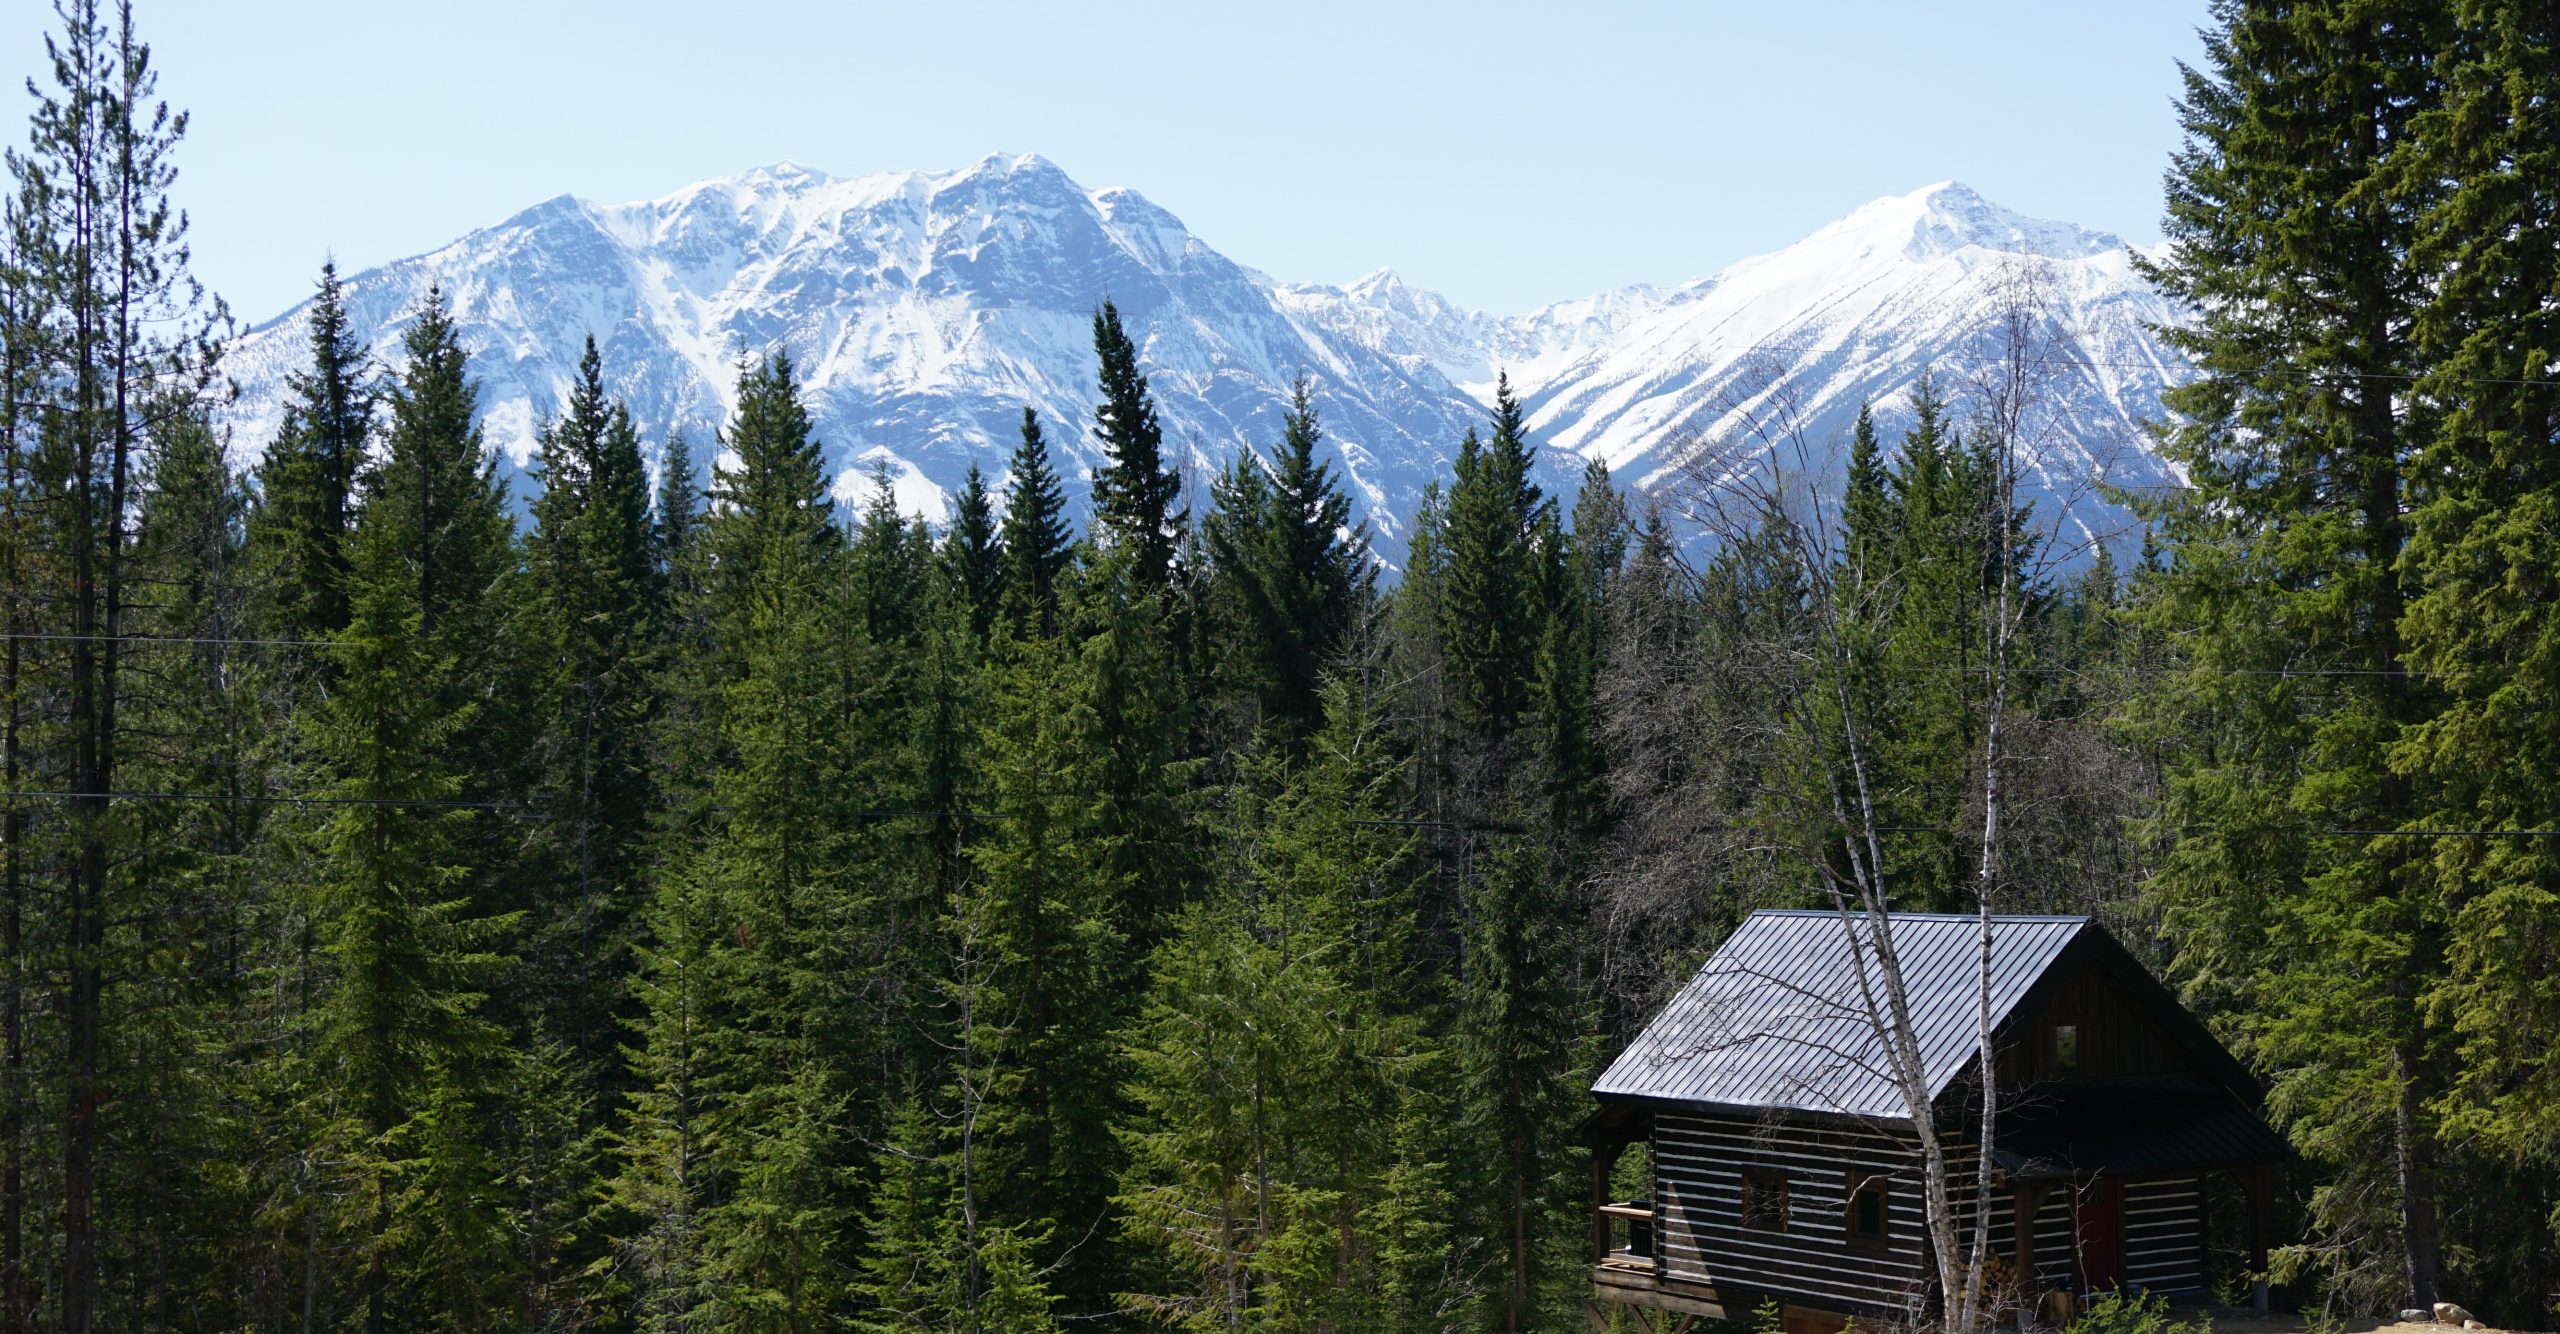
2126 1128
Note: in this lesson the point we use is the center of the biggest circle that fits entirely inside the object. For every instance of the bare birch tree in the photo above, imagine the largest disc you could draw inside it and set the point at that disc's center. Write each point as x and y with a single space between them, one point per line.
1760 481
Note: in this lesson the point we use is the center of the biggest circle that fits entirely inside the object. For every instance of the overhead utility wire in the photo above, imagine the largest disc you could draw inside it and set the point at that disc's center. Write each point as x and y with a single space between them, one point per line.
1960 668
1477 826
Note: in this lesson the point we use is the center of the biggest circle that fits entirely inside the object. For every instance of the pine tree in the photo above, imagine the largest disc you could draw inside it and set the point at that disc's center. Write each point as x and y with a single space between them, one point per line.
1133 492
118 335
306 508
2291 219
1037 544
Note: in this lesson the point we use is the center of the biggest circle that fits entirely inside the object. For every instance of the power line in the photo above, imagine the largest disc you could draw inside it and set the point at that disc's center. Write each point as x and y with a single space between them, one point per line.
1958 668
267 799
29 637
1477 826
2315 833
1473 826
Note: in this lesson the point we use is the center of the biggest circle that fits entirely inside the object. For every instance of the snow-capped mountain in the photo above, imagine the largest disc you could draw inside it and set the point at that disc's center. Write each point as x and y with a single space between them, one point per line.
1644 378
925 309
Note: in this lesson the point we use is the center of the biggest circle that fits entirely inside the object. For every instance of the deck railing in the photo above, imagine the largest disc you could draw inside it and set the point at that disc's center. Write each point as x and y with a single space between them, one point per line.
1622 1233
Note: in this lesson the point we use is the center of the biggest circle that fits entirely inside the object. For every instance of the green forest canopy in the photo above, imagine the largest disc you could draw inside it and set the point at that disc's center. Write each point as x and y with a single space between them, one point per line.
698 907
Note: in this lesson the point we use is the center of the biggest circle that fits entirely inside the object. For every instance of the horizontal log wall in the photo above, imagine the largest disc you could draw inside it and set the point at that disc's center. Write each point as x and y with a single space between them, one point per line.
1698 1162
2164 1235
2057 1233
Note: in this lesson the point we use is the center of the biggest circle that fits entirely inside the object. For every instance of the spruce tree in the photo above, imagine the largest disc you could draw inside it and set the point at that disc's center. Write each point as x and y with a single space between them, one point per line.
593 619
1288 568
1517 1040
1491 616
588 626
1281 1017
2487 515
1133 492
188 1003
973 555
437 498
1866 511
400 1024
2291 218
756 1043
306 509
1037 544
1047 906
676 517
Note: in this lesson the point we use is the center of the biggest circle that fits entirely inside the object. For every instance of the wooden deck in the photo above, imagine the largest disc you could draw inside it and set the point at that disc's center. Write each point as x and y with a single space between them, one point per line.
1664 1306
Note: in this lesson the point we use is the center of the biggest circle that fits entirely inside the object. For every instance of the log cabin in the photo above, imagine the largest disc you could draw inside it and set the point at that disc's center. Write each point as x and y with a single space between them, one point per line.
1784 1165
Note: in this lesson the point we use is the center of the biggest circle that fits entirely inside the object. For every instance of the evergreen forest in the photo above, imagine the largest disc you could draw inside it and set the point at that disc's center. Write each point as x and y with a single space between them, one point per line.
663 898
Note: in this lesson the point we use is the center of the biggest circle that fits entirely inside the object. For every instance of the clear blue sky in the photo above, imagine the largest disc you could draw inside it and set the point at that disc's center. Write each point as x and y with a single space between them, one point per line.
1506 154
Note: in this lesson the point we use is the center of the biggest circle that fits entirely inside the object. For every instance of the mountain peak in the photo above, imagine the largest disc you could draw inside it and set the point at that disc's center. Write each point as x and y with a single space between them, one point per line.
1944 217
1378 284
787 174
927 308
1010 168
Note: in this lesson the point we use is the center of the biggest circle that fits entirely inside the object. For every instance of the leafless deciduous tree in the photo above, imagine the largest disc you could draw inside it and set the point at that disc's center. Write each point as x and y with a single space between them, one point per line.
1805 752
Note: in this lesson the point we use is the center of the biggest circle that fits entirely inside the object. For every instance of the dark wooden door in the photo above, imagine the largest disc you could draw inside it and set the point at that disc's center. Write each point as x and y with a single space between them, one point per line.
2102 1235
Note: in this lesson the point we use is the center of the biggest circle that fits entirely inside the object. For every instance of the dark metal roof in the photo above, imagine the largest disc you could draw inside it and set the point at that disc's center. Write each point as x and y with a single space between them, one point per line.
1774 1021
2130 1128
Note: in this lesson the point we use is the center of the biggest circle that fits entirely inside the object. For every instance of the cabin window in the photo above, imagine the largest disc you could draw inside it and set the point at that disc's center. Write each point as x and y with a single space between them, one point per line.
1866 1211
1764 1199
2066 1049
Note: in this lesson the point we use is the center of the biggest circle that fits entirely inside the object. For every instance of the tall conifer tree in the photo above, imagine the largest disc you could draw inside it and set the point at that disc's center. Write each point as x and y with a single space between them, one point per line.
103 291
973 555
2291 220
755 1039
2487 516
1037 544
1289 567
1490 597
307 485
400 1024
1133 492
597 600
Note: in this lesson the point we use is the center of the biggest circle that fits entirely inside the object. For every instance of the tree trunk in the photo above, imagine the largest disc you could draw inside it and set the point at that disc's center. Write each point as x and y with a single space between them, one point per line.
2417 1182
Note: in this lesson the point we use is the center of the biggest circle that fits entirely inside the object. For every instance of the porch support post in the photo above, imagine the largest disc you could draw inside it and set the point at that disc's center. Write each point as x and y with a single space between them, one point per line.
1599 1196
1604 1164
2024 1201
2256 1181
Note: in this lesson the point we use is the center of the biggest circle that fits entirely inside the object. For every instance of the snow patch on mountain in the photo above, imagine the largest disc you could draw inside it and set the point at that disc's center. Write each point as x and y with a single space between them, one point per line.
924 310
